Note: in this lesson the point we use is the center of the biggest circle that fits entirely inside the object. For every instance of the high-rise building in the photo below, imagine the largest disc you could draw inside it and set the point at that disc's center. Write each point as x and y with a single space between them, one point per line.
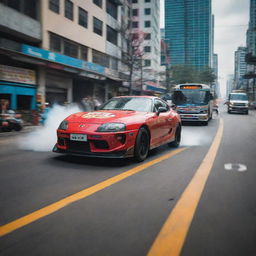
146 27
189 30
240 67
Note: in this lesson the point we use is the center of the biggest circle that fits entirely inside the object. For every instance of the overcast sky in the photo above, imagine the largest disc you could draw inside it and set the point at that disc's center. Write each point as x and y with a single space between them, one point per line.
231 23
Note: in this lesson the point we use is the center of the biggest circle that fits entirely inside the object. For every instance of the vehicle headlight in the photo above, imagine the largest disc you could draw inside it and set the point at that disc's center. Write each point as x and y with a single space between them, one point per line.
111 127
63 125
231 103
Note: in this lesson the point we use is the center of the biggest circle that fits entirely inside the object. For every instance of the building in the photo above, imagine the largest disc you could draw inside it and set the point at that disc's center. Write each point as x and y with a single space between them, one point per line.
61 50
189 31
251 52
240 68
229 85
146 31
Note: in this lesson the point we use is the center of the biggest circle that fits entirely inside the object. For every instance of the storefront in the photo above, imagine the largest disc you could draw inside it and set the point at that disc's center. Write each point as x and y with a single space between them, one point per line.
17 85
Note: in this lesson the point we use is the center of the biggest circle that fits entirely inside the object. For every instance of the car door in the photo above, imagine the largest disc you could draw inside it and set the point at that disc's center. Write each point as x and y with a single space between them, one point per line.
161 122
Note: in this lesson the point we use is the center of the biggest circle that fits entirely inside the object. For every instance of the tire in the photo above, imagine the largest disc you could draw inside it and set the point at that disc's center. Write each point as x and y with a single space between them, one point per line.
204 123
176 142
142 145
17 127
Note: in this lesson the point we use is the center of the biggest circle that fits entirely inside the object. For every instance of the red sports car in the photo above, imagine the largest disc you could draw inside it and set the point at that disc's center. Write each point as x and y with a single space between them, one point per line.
126 126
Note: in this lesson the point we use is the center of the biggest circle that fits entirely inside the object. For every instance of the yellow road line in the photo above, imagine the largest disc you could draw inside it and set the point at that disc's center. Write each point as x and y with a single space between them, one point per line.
173 233
27 219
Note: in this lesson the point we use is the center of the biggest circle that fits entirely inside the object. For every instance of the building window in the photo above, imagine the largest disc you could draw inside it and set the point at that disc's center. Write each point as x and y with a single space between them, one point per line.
147 63
147 36
114 64
54 5
135 24
69 9
135 12
134 1
84 53
147 1
97 26
112 35
147 49
112 9
70 49
98 2
147 11
83 18
100 58
147 24
55 43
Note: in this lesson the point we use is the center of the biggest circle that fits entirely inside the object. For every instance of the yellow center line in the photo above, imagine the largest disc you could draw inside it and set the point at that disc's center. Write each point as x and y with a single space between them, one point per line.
171 238
27 219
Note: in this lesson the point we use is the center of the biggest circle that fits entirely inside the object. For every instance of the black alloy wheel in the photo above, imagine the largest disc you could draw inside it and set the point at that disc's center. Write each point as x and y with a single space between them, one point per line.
142 145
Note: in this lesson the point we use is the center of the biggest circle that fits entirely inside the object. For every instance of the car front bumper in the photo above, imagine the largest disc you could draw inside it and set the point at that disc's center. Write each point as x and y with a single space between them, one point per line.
103 145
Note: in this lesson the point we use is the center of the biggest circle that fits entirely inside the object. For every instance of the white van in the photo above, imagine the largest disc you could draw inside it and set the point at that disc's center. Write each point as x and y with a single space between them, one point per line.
238 102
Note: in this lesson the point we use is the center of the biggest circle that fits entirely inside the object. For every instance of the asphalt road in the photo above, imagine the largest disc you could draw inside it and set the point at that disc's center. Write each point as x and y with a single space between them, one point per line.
124 205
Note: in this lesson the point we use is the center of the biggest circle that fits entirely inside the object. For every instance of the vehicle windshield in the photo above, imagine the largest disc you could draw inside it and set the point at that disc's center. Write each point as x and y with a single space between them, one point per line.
238 96
191 97
129 103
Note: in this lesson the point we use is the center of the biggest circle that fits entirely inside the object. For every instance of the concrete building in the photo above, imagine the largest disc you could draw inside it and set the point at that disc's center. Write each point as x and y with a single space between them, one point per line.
189 30
146 27
230 85
61 50
251 55
240 68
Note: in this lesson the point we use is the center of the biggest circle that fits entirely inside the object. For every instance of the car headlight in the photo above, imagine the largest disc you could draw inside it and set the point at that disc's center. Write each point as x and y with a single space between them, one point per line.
231 103
111 127
63 125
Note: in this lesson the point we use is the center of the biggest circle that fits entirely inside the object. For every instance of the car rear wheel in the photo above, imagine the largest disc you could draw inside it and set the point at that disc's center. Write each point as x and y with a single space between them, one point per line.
141 145
177 138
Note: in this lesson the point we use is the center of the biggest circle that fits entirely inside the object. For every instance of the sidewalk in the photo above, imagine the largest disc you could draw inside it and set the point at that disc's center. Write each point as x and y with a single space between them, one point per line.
25 129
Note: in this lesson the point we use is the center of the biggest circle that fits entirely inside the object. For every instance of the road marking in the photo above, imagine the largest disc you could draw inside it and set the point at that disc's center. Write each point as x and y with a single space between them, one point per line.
171 238
27 219
235 167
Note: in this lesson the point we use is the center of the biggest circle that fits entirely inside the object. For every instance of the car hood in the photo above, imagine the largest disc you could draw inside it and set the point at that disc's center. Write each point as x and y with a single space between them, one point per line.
106 116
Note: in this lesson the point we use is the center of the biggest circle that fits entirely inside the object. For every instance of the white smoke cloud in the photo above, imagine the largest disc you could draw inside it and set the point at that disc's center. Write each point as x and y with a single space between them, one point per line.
45 137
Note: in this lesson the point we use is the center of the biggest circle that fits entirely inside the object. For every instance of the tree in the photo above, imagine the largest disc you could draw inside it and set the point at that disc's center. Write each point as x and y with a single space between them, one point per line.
188 74
207 75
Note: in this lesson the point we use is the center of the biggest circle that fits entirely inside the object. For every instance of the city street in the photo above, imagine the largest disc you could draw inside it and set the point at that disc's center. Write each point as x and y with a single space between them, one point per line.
196 200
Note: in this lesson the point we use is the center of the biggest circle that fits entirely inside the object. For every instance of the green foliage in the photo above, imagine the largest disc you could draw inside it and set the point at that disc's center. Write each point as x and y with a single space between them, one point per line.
188 74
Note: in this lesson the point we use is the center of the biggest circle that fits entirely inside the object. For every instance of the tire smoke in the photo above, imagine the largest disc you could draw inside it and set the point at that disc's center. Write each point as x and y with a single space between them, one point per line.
44 138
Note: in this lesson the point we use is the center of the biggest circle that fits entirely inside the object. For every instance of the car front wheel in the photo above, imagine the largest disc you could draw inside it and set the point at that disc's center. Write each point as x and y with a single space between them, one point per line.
141 145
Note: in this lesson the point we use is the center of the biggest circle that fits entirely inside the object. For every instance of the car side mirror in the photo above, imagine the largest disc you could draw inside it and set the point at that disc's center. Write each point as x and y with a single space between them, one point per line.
161 110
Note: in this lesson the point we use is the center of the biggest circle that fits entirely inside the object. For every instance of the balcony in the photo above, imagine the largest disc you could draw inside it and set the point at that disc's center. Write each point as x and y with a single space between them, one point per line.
250 59
19 25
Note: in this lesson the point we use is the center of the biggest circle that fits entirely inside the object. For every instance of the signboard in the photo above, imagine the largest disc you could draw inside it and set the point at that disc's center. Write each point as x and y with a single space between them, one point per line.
61 59
18 75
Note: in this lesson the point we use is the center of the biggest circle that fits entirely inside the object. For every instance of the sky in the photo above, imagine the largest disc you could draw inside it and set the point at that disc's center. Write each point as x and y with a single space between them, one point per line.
231 24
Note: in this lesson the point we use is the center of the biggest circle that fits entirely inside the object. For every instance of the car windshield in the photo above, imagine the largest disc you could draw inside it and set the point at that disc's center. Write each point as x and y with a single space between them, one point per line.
129 103
190 96
238 96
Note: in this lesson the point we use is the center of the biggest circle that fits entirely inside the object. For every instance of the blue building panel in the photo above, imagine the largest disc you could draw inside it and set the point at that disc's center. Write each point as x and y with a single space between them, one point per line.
188 29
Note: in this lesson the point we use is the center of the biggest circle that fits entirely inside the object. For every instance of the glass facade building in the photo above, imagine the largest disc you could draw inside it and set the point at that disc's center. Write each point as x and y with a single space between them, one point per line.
189 32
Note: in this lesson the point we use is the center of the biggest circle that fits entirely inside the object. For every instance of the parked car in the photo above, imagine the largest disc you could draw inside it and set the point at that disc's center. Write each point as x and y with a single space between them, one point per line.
253 104
125 126
10 121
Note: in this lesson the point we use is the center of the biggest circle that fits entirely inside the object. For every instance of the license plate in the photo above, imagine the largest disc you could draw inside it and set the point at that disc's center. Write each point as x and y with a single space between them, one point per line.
78 137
